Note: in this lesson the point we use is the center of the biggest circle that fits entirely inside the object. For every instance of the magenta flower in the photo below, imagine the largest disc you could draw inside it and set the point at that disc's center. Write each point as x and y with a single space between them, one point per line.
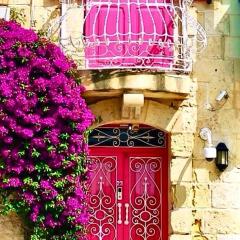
43 118
14 182
35 212
50 222
29 197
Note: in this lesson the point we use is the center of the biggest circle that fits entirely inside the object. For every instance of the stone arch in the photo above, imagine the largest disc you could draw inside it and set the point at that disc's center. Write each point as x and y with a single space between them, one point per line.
154 114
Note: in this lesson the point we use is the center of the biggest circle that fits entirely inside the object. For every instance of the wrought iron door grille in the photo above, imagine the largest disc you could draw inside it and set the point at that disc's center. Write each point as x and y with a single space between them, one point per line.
124 137
119 34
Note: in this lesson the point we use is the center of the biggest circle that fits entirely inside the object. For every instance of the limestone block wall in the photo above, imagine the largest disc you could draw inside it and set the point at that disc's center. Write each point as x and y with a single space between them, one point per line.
205 203
215 204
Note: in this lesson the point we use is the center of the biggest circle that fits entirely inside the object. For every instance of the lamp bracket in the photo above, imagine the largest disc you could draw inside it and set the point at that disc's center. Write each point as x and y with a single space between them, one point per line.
205 133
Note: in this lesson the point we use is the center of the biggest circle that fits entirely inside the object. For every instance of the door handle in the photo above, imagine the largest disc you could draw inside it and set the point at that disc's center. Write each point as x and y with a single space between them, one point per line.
119 213
126 222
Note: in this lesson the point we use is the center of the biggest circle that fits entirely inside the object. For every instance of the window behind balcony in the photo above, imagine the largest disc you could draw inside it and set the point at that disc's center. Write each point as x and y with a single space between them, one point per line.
129 33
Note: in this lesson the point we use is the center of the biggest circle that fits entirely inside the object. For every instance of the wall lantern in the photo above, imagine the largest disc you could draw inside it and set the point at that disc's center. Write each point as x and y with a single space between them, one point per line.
211 153
222 156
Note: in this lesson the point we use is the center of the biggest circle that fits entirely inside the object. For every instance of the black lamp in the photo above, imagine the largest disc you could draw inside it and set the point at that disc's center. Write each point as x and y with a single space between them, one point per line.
222 156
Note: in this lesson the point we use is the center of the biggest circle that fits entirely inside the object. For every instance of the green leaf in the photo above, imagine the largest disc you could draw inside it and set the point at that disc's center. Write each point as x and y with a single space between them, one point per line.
49 205
57 174
21 153
50 148
64 136
45 109
35 153
2 164
60 183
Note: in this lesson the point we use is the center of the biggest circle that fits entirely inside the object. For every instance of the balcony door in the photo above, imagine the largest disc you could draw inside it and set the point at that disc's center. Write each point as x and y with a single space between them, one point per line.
129 190
129 33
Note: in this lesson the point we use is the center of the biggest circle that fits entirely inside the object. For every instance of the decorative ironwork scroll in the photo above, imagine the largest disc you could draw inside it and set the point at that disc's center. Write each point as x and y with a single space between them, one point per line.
123 137
145 198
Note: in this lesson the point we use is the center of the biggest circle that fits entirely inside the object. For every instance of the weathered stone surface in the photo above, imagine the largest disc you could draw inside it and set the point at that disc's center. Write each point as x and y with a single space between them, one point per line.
182 195
214 44
214 71
231 175
225 195
219 221
181 220
228 237
208 169
186 121
201 196
234 27
201 175
181 170
45 17
182 144
180 237
214 18
107 110
153 113
160 82
232 47
237 73
233 7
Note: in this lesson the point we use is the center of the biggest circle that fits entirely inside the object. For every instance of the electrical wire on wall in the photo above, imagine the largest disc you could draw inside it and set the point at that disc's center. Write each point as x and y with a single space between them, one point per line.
219 101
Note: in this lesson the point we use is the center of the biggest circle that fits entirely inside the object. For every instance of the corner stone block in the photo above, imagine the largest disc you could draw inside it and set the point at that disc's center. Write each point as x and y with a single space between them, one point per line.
201 196
219 221
182 144
181 170
201 175
182 195
181 221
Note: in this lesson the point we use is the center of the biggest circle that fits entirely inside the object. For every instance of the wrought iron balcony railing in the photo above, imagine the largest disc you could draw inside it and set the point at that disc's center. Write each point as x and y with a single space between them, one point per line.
135 34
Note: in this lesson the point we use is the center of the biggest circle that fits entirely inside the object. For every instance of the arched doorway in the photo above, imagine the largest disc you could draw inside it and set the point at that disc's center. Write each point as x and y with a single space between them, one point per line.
129 183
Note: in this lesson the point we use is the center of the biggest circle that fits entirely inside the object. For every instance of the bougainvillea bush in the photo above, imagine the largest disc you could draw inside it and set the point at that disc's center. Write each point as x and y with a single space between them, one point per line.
43 120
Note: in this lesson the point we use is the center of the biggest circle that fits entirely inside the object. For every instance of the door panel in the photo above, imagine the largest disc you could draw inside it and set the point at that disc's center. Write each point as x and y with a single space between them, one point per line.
103 206
145 198
134 184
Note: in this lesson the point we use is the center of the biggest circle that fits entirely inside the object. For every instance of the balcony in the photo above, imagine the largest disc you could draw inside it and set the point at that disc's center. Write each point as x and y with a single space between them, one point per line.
129 34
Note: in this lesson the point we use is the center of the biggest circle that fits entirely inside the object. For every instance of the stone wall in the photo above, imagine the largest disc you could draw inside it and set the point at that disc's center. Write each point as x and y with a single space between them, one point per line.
215 194
205 202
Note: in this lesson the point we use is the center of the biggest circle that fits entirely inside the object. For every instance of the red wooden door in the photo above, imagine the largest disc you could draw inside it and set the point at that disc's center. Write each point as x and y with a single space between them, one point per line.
129 193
